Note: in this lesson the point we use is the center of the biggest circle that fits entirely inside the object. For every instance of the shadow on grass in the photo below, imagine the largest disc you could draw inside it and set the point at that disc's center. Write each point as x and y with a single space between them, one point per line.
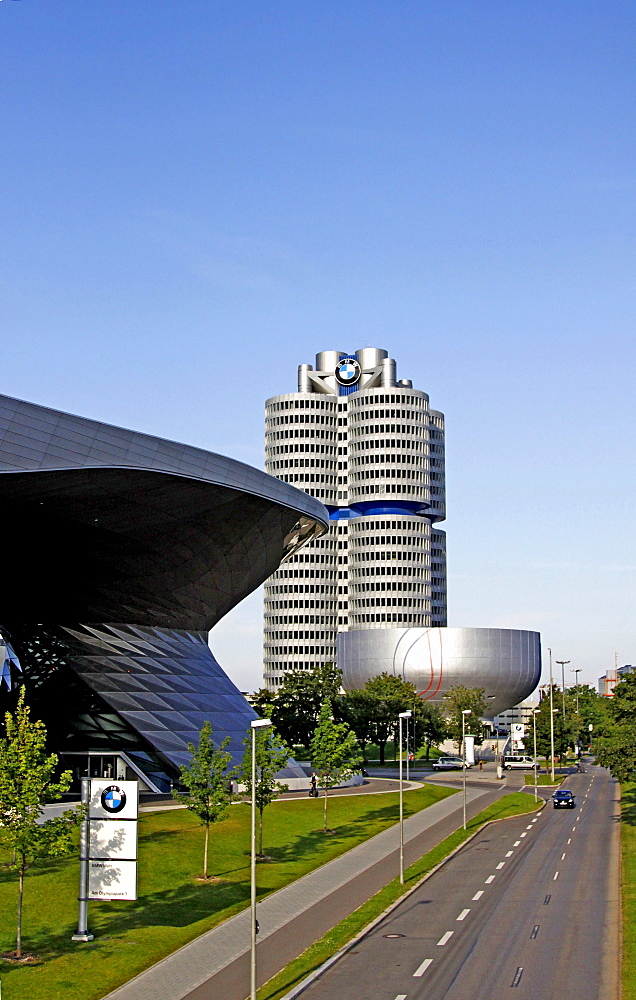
629 805
306 845
179 907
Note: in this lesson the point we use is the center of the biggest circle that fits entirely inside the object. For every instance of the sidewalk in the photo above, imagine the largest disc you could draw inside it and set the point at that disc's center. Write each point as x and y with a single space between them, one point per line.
217 963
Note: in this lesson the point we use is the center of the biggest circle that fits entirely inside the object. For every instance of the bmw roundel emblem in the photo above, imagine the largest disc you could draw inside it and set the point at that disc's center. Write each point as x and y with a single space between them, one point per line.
113 799
347 371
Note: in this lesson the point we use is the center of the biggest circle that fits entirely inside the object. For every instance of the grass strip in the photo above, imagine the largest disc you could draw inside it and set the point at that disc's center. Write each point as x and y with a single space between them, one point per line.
628 878
173 907
292 975
544 779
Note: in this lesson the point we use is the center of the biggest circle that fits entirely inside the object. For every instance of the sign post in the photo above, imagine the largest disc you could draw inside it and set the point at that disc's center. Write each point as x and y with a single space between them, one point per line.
108 845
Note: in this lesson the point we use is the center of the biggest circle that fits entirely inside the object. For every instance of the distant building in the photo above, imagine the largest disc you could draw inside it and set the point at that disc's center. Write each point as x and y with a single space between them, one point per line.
610 679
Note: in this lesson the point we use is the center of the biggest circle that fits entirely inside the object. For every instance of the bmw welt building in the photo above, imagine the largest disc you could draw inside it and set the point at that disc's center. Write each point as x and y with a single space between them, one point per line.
371 593
120 552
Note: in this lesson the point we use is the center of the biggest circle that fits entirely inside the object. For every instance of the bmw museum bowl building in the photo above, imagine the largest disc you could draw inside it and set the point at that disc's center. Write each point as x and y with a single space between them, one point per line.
120 553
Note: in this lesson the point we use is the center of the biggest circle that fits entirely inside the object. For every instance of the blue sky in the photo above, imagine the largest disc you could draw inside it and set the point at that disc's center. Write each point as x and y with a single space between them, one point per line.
197 196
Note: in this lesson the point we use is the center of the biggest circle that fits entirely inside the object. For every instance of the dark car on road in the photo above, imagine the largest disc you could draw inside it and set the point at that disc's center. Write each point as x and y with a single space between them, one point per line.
563 799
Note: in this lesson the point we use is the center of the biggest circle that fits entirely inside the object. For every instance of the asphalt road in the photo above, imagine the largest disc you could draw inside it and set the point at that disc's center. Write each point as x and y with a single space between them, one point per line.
528 910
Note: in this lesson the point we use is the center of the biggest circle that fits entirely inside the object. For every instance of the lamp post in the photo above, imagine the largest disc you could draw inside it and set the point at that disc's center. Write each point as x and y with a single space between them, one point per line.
402 715
255 724
465 712
551 718
536 767
576 673
563 664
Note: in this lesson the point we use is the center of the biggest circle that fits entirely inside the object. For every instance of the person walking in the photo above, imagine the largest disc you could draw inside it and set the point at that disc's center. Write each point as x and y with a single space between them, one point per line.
313 791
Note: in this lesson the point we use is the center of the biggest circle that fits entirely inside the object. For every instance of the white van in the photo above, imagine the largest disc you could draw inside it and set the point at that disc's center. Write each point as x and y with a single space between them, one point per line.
519 762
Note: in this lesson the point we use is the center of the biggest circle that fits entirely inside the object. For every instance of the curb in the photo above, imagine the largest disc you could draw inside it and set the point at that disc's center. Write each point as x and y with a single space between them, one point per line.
320 971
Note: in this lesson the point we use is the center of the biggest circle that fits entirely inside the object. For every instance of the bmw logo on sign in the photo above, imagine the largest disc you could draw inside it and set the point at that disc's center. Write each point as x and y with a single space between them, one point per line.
347 371
113 799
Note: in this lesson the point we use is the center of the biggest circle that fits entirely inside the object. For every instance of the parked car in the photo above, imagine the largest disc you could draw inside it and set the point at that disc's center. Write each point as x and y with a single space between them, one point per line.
519 762
448 764
563 799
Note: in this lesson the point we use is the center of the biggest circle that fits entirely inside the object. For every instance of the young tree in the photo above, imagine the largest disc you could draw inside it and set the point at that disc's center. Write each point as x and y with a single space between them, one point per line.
456 700
334 752
208 783
26 785
271 757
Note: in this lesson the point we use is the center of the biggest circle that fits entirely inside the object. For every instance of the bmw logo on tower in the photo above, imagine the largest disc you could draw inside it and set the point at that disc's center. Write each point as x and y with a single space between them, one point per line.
348 371
113 799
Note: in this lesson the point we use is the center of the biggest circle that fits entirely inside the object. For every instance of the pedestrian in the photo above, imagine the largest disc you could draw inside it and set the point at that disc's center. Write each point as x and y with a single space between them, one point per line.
313 791
481 764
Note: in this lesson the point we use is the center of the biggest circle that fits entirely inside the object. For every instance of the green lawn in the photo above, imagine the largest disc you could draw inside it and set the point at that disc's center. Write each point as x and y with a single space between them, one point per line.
173 907
544 779
337 937
628 875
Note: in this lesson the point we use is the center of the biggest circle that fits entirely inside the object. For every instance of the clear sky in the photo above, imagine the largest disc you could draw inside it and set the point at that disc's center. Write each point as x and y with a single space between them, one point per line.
196 196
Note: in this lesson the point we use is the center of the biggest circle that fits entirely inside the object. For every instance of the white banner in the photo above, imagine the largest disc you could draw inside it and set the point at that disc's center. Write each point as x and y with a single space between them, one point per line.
112 879
469 749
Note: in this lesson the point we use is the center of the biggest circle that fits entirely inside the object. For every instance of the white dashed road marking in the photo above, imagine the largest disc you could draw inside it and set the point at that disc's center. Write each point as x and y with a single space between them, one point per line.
501 864
516 843
556 875
478 895
445 937
423 967
463 914
509 854
562 856
491 878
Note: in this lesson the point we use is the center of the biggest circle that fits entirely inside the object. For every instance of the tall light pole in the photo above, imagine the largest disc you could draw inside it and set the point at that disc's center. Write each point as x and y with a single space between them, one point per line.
255 724
465 712
401 716
535 711
576 673
551 718
563 664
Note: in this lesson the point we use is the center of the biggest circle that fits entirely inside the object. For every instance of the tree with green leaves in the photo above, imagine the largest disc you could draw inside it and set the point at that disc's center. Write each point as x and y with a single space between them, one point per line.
565 730
428 724
295 708
456 700
388 696
335 754
616 747
271 757
26 785
208 783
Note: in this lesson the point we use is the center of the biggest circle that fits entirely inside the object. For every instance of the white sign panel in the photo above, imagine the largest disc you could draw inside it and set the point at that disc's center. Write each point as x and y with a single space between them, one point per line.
110 839
113 799
469 742
112 880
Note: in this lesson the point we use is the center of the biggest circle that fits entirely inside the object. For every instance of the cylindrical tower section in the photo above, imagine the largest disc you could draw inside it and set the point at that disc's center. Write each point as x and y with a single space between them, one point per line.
437 465
300 619
371 357
304 382
388 373
389 445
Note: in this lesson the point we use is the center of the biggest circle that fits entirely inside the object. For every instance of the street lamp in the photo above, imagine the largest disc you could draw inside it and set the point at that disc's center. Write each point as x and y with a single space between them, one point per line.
551 718
465 712
536 768
576 673
255 724
402 715
563 664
